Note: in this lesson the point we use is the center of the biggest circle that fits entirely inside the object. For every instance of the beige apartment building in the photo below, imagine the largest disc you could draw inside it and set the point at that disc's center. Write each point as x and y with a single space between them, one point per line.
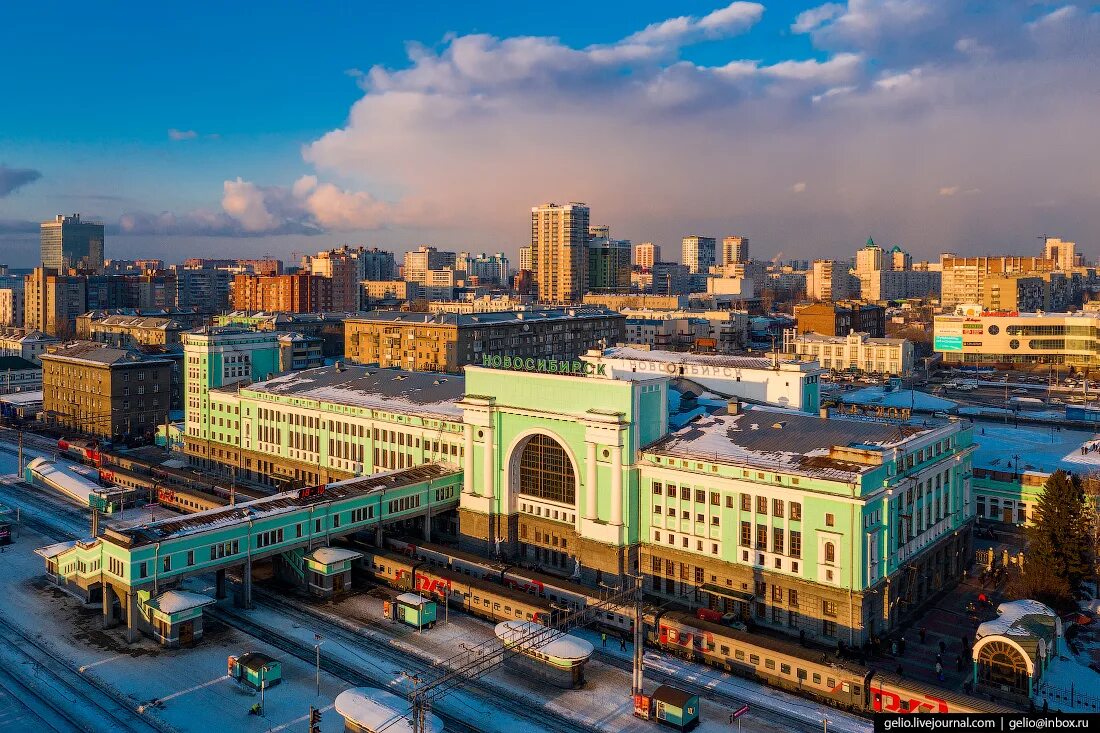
856 352
446 342
124 332
646 254
52 302
734 249
559 251
963 278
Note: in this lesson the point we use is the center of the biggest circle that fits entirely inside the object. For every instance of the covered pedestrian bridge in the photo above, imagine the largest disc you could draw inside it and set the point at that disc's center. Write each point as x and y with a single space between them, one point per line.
127 567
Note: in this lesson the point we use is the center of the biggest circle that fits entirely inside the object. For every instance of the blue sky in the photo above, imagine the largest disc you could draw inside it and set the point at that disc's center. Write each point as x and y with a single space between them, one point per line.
804 125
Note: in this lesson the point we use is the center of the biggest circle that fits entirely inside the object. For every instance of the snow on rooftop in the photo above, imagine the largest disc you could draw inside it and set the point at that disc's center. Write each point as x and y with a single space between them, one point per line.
329 555
372 388
679 357
564 646
55 549
1041 449
373 709
178 601
784 440
413 599
1012 617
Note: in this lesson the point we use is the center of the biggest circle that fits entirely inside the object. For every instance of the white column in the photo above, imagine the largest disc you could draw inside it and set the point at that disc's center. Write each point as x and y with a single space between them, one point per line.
617 485
468 461
487 463
590 483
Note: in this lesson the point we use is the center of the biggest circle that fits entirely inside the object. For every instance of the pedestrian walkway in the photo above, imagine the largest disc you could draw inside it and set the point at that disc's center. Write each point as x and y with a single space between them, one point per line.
946 623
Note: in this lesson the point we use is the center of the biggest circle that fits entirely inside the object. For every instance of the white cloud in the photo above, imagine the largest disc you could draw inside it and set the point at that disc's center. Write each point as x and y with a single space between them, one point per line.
833 92
734 18
897 98
814 18
177 135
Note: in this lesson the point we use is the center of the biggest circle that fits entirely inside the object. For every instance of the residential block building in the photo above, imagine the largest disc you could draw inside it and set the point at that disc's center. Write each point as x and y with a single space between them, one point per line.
126 331
103 391
839 319
608 265
446 342
300 293
646 254
19 375
424 259
559 251
25 343
52 302
698 254
964 278
734 249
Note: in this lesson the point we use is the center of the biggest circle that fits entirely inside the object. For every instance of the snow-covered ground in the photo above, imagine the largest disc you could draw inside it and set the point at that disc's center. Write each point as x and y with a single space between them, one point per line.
1069 685
603 702
1043 449
191 684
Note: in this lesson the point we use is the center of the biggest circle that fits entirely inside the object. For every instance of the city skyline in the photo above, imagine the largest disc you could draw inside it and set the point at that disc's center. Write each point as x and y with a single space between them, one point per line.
834 119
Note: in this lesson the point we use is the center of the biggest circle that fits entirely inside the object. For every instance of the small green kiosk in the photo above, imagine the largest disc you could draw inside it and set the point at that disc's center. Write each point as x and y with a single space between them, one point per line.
675 708
256 670
415 610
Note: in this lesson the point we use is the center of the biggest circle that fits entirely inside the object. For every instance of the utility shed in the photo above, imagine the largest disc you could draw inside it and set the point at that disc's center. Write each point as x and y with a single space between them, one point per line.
415 610
175 615
255 670
328 570
676 708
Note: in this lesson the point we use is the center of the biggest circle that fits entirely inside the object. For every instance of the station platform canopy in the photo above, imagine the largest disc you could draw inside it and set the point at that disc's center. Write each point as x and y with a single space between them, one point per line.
369 710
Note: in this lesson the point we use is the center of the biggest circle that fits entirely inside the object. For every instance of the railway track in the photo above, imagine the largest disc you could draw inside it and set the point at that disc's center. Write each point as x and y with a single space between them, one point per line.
486 695
85 704
333 666
791 721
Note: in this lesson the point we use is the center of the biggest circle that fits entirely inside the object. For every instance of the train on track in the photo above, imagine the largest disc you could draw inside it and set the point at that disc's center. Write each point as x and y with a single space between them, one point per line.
177 488
498 588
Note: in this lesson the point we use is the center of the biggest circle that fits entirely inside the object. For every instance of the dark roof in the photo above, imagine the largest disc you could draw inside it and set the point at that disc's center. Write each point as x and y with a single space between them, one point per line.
254 660
361 386
673 696
91 351
211 519
470 320
16 363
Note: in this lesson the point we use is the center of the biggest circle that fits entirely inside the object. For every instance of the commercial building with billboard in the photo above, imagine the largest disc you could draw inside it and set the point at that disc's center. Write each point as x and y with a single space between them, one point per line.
1012 339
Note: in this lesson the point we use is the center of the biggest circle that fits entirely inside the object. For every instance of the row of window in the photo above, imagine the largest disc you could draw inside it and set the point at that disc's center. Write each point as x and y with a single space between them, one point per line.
778 506
778 537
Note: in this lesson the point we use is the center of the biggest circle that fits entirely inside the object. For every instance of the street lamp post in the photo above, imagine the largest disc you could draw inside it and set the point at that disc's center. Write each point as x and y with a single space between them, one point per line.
317 651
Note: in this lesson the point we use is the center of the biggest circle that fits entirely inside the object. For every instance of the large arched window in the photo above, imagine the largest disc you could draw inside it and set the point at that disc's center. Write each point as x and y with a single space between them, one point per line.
1000 663
830 553
545 471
